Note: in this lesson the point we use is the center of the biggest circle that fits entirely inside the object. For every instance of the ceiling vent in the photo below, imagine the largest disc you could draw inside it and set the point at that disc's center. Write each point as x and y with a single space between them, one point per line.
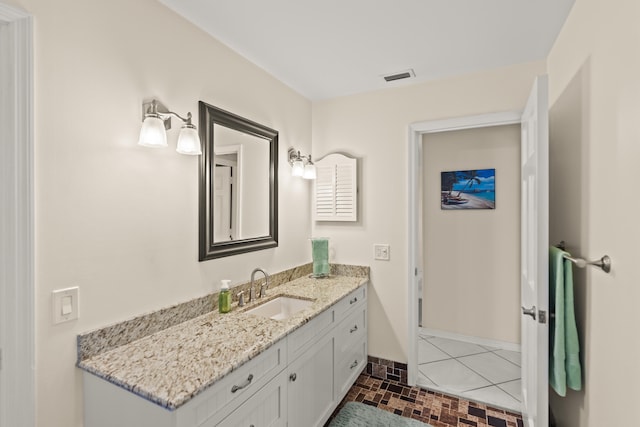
406 74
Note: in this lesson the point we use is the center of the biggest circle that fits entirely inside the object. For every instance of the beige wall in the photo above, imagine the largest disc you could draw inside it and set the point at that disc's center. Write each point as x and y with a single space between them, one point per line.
594 74
374 127
472 257
119 220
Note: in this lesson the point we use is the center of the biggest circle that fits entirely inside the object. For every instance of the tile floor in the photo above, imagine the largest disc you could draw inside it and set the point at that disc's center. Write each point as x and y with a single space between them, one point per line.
481 373
434 408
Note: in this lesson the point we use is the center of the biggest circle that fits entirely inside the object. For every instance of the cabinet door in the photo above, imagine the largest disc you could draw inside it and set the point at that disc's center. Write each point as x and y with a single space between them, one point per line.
311 385
266 408
349 367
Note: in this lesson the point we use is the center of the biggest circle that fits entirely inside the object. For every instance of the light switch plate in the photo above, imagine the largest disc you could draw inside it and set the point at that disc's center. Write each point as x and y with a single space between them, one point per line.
381 251
65 305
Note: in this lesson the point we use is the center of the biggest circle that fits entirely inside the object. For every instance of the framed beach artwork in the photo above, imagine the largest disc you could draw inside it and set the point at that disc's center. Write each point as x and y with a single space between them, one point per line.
472 189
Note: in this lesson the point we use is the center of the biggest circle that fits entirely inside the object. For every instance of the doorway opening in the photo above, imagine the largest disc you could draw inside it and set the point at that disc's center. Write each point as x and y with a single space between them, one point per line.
469 341
453 345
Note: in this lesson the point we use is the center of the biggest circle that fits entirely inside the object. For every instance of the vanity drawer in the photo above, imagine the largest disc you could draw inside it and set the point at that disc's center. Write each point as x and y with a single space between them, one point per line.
349 303
297 341
215 403
349 366
350 330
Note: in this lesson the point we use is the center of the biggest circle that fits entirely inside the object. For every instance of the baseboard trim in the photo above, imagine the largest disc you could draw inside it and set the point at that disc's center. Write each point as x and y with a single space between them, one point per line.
502 345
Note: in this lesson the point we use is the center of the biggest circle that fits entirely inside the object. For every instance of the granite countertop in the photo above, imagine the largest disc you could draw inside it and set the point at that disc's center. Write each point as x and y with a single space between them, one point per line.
171 366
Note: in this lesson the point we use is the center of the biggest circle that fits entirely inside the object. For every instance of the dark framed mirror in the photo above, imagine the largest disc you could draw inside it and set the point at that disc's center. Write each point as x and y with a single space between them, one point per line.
238 203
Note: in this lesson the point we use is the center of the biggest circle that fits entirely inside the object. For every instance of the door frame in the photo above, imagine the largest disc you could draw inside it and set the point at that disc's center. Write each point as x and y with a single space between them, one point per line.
236 192
17 246
415 268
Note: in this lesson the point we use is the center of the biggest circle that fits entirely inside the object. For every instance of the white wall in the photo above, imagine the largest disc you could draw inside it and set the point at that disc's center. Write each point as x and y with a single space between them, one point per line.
119 220
374 127
472 257
594 75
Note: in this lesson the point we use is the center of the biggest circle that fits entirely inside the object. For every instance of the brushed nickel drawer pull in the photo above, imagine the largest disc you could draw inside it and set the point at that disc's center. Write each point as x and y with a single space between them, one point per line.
354 364
354 300
243 385
352 330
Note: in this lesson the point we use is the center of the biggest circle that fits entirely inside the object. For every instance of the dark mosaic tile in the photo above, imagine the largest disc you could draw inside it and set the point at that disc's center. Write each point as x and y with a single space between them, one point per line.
477 412
395 388
520 422
399 365
408 399
496 422
370 403
393 377
468 422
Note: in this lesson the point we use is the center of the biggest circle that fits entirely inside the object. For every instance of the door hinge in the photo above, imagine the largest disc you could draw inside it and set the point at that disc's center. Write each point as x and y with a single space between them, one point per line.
542 316
416 272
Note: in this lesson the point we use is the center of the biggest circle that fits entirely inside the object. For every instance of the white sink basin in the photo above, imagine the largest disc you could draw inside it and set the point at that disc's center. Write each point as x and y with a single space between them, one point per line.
280 308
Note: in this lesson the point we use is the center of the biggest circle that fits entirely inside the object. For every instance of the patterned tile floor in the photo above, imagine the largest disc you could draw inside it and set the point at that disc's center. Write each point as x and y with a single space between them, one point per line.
436 409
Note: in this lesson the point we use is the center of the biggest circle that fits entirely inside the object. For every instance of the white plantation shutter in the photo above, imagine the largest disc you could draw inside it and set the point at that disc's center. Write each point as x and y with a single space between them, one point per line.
336 189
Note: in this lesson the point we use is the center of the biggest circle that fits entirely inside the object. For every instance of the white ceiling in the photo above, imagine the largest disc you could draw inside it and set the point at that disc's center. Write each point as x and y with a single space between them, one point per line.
328 48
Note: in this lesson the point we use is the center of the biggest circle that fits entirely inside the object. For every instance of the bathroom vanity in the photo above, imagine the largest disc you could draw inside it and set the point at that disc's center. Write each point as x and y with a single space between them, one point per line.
238 369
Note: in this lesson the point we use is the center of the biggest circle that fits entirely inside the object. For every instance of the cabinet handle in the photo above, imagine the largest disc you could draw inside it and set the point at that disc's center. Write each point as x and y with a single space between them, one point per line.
352 330
243 385
354 300
354 364
293 377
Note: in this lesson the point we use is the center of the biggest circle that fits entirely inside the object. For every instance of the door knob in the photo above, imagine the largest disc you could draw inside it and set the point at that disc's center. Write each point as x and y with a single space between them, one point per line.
530 312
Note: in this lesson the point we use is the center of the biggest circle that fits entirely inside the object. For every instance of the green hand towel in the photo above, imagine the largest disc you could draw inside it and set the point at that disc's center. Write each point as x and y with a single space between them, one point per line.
571 340
320 255
564 346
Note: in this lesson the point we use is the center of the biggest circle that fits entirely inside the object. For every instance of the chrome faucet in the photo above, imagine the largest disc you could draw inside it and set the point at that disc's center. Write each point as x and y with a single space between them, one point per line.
263 287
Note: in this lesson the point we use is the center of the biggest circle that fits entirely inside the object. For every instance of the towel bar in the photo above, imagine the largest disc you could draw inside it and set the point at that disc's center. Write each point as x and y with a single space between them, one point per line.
604 263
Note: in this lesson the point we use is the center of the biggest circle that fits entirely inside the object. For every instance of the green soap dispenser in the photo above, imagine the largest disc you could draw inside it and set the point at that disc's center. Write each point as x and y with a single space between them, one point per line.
224 298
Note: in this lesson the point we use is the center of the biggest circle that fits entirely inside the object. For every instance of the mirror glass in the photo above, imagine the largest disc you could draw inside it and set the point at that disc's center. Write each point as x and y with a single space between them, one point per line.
238 188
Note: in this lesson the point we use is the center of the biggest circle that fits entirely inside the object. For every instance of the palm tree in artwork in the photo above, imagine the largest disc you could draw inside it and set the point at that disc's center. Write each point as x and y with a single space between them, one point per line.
471 177
448 181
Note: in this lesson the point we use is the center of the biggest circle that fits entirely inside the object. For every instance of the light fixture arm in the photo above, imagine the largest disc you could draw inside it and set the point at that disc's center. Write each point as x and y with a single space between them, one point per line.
168 114
155 108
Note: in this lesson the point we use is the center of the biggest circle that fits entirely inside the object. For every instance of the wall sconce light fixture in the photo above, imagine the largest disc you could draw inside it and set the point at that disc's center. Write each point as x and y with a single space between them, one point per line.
301 165
156 120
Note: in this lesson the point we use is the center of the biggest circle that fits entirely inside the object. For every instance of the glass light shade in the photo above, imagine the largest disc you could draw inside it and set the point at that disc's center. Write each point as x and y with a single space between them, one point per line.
153 133
189 141
297 169
309 171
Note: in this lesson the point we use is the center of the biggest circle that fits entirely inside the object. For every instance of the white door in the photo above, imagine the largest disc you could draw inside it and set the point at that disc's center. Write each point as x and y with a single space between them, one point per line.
535 256
222 204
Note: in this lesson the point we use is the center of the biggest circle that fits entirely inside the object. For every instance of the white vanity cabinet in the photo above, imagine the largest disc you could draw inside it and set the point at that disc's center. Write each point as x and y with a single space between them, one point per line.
297 382
322 375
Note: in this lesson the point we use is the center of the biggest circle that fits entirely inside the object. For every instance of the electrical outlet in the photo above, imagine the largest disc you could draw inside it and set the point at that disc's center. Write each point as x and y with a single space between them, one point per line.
65 305
381 251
